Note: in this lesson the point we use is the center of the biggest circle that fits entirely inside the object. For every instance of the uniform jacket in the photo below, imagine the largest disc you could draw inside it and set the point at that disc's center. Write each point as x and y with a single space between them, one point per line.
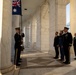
17 38
67 39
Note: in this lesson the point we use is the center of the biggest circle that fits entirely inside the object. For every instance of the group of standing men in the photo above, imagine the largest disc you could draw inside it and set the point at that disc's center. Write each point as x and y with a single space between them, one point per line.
18 46
63 41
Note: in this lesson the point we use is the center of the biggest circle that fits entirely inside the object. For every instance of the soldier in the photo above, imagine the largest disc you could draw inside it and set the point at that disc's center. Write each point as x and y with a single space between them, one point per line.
17 38
74 45
67 43
56 45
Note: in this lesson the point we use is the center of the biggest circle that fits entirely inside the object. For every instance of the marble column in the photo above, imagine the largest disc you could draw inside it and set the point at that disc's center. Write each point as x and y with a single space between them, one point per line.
15 23
30 34
60 14
72 19
45 28
27 36
57 18
52 18
34 26
73 16
1 9
38 42
6 66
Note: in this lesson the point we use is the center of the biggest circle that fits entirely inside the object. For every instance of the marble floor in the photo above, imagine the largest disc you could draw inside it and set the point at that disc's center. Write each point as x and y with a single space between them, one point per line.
39 63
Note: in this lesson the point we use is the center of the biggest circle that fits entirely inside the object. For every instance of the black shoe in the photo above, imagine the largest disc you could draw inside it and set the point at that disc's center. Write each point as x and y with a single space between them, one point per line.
74 58
55 57
66 62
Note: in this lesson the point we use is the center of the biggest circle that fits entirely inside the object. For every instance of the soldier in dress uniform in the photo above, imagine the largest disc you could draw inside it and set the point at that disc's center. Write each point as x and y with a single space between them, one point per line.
17 38
74 45
56 45
67 43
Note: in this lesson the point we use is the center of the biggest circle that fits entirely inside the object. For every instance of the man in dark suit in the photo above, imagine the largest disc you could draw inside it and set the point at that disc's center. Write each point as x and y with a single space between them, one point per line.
74 45
17 38
56 45
61 45
67 43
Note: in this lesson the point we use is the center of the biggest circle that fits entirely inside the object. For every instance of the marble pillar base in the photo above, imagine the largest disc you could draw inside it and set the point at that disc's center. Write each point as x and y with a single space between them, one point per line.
8 71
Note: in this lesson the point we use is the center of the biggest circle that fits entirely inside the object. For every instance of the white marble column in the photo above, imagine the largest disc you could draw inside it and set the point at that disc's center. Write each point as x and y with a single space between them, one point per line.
27 36
15 23
60 14
34 26
57 18
45 28
6 66
73 16
38 42
52 18
1 9
30 34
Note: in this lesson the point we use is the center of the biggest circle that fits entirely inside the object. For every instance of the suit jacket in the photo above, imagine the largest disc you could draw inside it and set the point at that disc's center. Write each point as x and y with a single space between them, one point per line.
67 39
56 41
61 40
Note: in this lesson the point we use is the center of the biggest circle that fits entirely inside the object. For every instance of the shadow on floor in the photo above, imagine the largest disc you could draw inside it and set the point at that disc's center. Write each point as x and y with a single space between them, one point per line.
40 62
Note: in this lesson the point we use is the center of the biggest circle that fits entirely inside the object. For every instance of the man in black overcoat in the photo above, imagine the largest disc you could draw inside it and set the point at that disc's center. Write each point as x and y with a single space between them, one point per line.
56 45
67 43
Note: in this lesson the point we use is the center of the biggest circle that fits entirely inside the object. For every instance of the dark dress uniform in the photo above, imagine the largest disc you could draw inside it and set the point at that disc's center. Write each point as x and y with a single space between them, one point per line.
74 44
67 42
17 38
56 43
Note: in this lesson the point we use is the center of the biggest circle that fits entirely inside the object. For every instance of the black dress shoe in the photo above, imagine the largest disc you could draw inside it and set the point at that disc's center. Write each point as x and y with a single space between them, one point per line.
74 58
55 57
66 62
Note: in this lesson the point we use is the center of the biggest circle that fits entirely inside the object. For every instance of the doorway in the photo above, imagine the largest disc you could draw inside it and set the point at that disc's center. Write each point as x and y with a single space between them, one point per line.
68 16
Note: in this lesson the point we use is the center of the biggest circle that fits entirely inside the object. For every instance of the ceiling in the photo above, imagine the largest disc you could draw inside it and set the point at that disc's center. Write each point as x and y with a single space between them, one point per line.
31 6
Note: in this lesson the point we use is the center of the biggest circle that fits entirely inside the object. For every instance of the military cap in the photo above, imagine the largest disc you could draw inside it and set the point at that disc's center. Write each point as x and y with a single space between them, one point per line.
66 28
